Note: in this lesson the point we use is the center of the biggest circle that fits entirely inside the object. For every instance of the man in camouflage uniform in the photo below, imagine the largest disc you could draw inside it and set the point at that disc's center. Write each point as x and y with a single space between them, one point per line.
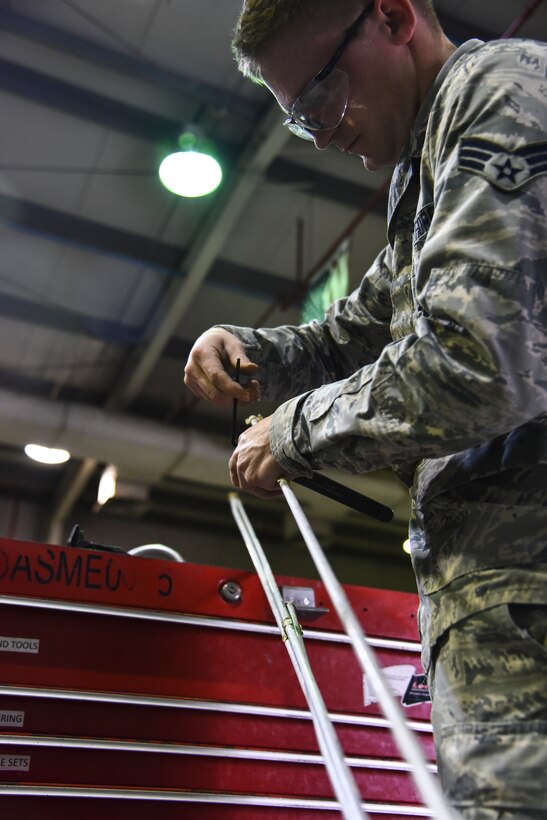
436 364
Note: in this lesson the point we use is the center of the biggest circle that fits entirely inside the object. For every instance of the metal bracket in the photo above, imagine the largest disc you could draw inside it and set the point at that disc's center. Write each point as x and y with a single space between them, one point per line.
303 600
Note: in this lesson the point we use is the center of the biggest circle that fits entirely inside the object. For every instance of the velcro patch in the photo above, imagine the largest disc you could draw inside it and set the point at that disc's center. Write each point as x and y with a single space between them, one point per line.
507 170
422 223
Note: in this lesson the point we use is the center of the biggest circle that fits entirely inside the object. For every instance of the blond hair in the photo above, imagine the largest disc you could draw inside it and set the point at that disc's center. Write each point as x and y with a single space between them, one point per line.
261 21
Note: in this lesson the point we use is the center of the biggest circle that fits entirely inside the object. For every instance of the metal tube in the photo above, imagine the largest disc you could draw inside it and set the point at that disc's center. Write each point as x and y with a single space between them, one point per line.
408 745
285 616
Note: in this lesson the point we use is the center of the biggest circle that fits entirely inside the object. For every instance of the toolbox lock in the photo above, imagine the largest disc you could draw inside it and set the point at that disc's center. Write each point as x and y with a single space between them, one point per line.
231 592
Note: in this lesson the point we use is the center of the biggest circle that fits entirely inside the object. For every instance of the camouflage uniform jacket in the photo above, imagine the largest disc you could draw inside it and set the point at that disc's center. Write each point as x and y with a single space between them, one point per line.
437 362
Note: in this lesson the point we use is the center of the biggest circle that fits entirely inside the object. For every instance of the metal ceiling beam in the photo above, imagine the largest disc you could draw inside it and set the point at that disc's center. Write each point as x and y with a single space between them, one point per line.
139 67
65 320
85 104
325 186
88 234
68 321
253 282
35 385
97 237
145 69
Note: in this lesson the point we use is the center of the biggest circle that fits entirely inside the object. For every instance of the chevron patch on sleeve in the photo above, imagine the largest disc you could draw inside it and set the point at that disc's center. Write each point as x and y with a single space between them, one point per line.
507 169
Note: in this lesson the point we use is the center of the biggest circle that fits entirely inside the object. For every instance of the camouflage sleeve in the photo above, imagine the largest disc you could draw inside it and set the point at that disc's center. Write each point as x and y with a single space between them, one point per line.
355 329
475 364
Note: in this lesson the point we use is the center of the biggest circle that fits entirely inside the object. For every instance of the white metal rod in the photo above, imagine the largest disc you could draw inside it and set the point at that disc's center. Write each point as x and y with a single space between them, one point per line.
410 749
339 773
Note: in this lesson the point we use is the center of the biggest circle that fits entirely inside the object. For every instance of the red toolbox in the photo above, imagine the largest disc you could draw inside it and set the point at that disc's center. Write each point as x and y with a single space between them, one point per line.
141 688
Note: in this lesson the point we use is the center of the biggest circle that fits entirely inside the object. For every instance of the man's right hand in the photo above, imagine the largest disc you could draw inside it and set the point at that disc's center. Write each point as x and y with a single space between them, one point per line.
211 365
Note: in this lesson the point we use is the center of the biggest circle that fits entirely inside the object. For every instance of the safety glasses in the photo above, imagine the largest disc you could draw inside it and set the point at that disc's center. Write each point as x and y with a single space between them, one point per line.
321 105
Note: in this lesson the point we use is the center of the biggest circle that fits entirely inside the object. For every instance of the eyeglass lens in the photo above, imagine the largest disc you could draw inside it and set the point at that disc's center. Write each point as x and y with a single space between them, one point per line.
324 103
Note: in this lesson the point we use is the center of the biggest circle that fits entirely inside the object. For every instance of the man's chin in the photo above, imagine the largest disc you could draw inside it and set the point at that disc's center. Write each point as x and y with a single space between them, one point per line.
370 164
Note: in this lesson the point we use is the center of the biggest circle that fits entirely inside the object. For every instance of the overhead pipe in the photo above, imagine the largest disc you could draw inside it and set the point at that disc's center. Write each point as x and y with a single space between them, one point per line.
519 21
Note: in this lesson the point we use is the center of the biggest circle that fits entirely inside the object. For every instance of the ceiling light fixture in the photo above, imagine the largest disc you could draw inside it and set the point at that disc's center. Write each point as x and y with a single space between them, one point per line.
46 455
193 171
107 485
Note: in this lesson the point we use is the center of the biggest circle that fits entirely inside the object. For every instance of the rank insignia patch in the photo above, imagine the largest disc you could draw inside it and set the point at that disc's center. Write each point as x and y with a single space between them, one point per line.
507 170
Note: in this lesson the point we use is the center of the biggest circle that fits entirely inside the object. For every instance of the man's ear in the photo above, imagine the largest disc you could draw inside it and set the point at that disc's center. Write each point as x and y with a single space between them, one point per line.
400 19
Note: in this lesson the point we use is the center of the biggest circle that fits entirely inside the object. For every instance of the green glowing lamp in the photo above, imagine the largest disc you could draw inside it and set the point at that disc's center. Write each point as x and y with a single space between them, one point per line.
193 171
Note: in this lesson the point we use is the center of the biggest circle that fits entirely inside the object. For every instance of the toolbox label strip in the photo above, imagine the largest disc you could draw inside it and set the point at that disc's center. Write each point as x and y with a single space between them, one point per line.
30 646
12 719
14 763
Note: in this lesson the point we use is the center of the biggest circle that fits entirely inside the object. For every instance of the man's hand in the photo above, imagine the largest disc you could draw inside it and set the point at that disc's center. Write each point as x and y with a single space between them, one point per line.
206 373
252 465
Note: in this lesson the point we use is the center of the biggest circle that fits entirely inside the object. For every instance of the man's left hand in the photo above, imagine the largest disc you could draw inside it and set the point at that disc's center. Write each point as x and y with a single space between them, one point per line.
252 466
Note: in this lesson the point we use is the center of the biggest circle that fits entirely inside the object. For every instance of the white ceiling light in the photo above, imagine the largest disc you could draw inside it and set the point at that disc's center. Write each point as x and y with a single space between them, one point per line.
46 455
406 546
107 485
193 171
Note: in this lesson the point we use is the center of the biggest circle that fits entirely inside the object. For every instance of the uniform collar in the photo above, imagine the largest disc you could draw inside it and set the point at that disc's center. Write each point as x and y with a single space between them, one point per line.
415 141
410 156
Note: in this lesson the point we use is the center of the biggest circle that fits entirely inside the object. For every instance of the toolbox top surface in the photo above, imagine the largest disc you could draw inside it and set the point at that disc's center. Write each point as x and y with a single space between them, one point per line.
111 579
